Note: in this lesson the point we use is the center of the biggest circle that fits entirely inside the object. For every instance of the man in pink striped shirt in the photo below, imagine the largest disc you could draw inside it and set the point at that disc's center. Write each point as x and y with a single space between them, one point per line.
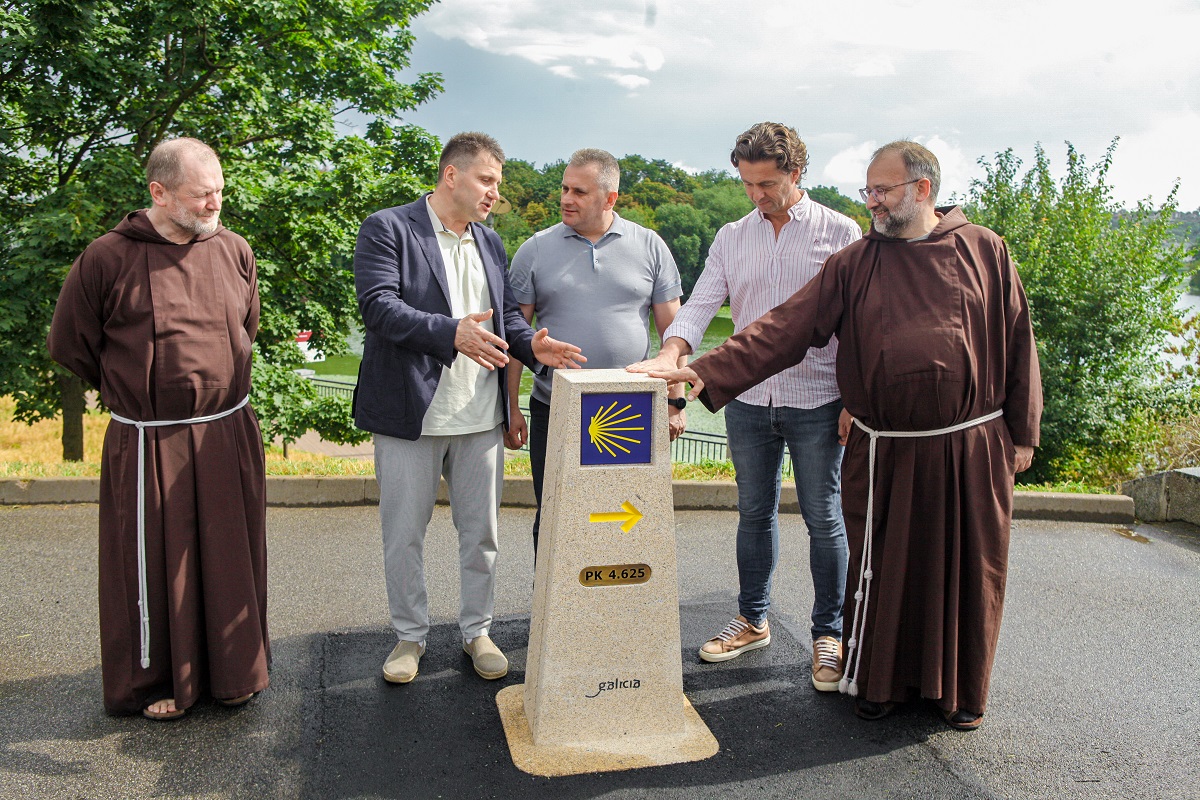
758 262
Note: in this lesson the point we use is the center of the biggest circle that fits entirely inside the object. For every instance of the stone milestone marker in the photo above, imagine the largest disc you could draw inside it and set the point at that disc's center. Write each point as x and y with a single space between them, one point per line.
603 678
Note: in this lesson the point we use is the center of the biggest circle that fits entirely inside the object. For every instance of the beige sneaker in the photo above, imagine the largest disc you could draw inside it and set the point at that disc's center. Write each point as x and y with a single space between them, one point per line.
827 665
489 662
401 665
738 637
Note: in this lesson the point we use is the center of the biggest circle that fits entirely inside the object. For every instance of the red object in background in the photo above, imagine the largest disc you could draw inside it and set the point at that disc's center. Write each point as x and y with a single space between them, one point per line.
303 336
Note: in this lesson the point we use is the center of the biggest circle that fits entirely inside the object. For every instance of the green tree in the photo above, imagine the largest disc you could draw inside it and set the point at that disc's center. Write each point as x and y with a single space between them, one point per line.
688 233
636 213
652 194
89 87
513 230
1102 284
832 198
723 202
635 169
521 180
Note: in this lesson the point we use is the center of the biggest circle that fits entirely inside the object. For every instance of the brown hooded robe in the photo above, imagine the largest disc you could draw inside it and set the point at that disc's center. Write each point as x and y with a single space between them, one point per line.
931 333
164 330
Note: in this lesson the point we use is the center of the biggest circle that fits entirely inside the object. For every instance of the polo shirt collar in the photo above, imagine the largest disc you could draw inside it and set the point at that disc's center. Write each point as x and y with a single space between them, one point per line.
619 227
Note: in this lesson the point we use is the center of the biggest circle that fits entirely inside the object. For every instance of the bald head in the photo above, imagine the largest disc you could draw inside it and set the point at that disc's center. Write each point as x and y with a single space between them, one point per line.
169 161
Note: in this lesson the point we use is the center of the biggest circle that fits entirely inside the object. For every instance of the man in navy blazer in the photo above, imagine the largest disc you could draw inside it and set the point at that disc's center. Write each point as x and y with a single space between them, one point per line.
441 323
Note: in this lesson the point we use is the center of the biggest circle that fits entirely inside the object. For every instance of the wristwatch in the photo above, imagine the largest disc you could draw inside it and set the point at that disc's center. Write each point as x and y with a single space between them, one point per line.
677 402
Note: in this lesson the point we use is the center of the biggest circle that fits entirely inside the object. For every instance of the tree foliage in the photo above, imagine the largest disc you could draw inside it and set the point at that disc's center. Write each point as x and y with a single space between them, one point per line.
1103 285
89 87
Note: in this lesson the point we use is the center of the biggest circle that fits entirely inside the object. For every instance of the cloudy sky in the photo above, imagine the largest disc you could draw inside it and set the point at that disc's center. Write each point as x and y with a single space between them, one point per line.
679 79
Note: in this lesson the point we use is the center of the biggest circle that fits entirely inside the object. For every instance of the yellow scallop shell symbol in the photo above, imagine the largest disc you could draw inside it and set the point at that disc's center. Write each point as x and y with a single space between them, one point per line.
607 426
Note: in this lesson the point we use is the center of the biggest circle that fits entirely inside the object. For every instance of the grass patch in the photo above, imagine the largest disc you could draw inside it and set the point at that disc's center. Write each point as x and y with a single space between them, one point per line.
315 465
41 442
35 451
1070 487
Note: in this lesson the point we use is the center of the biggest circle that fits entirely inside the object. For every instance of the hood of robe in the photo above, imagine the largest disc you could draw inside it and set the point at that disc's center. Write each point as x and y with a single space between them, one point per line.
137 225
951 219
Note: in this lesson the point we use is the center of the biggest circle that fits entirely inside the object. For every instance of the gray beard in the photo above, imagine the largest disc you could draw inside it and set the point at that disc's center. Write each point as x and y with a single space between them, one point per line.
898 218
197 226
889 225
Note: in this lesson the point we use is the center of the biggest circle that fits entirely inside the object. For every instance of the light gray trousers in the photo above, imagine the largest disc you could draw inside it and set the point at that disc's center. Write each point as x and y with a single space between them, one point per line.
408 472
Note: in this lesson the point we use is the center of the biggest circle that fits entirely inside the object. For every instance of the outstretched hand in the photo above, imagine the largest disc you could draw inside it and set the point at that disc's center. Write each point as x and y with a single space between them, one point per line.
681 375
479 344
553 353
661 362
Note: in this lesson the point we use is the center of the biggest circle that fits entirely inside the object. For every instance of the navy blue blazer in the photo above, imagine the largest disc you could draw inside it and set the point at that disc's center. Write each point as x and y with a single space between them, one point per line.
409 332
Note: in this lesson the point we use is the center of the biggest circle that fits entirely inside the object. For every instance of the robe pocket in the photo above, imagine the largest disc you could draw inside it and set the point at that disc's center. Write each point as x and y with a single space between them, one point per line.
919 355
202 362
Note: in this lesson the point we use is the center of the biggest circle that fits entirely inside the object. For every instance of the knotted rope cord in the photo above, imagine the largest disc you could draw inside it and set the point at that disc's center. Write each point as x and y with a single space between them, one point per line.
862 596
143 599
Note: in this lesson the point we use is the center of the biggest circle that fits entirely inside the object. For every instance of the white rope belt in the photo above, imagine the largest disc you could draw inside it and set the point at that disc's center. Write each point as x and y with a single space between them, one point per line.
862 597
143 600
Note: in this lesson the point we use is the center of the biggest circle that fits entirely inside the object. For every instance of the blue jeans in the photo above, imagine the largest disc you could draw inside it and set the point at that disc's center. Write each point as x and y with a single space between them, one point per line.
756 437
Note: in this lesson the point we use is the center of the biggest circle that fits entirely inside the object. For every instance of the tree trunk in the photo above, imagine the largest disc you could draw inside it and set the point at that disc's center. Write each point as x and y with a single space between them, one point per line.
70 389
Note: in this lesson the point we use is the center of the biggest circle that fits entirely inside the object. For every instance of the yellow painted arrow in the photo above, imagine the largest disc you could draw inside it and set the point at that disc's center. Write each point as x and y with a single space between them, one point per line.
629 517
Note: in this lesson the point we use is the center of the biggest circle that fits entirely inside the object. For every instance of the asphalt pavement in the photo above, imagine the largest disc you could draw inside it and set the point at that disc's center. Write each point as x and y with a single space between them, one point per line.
1095 693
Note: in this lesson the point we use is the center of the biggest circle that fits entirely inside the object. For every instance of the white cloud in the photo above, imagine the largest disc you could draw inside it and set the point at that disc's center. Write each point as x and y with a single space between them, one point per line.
957 168
1149 161
988 77
560 37
630 82
849 166
875 66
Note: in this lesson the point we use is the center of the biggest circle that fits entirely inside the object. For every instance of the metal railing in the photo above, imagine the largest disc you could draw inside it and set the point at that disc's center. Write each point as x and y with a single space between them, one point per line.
693 447
332 388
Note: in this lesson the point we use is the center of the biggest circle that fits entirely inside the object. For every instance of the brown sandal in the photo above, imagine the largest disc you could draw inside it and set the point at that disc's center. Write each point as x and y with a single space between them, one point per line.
234 702
162 716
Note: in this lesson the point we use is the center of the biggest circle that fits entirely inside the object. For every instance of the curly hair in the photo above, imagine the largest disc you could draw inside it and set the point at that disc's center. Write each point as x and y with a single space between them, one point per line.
772 141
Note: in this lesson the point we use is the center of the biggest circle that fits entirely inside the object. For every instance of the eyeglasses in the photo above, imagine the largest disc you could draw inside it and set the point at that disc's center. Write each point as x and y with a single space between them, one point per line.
881 192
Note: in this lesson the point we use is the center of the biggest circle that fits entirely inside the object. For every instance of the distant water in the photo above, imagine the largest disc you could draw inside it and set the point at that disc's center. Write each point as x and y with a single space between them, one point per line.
1188 304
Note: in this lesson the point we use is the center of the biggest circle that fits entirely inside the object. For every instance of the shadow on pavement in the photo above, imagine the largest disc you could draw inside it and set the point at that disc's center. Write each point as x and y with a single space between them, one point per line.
441 735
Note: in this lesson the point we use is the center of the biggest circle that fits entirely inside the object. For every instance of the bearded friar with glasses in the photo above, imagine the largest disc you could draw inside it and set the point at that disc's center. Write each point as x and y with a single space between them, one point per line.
939 376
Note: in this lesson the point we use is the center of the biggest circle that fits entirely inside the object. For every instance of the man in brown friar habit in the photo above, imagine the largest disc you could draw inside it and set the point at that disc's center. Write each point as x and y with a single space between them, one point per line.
939 376
159 314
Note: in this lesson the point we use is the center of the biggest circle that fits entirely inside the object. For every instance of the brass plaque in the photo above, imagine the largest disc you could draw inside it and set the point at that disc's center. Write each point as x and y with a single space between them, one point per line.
614 575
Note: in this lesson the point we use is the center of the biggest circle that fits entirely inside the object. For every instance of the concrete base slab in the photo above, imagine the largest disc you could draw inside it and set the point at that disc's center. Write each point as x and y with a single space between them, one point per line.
553 761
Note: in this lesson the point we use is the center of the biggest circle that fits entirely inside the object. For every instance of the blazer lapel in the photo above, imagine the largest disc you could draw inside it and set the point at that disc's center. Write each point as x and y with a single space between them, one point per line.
423 229
495 279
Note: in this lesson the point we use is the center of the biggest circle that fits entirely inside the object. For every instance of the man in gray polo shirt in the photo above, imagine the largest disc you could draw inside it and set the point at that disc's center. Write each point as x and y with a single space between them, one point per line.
593 280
